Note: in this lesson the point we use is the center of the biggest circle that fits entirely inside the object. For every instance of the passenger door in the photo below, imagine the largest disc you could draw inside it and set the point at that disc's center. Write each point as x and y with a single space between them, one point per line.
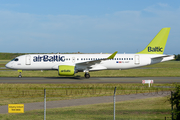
28 60
136 58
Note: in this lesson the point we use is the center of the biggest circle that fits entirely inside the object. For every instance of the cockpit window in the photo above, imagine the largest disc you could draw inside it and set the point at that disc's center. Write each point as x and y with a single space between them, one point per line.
12 59
15 59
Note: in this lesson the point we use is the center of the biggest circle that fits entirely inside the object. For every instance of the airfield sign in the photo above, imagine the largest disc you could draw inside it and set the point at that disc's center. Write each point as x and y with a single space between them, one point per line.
15 108
147 82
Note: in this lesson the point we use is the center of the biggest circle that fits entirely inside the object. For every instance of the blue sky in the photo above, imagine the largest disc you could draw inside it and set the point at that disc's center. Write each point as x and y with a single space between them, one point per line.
87 26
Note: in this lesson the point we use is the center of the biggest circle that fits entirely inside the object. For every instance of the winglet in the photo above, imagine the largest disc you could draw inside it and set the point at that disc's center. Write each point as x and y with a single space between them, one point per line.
112 56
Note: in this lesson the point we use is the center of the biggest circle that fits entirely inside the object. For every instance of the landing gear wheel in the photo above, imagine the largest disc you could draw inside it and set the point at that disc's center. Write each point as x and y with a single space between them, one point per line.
87 75
20 76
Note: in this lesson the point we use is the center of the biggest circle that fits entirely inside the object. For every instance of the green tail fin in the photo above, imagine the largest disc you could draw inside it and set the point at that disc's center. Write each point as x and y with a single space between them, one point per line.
157 45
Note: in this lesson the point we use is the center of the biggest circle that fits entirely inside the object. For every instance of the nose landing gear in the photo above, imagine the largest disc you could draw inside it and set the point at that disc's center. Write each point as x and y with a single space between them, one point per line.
20 71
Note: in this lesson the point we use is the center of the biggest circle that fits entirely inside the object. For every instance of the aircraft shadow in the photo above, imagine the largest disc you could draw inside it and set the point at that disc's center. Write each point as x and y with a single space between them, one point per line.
73 78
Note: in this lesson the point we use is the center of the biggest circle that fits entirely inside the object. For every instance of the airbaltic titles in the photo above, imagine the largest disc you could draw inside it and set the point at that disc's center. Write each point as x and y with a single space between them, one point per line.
46 58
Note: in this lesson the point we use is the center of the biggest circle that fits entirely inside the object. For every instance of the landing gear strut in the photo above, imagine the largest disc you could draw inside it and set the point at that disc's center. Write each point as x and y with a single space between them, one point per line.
87 75
20 71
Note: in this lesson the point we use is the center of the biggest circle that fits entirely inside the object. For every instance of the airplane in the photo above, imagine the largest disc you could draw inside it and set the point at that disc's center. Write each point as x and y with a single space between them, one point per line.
69 64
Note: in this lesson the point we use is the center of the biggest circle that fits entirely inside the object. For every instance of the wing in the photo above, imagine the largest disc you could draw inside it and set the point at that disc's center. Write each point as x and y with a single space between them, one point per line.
89 64
93 62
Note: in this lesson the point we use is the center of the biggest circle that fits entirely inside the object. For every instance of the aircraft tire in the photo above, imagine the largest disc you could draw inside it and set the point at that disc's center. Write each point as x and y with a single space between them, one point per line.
87 75
20 76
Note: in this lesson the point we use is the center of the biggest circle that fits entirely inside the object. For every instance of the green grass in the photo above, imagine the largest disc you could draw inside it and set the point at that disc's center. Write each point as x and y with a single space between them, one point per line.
3 63
137 109
9 56
142 109
27 93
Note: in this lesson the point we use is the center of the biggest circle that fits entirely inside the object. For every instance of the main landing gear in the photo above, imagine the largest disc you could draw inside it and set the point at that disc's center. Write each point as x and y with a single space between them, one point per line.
87 75
20 71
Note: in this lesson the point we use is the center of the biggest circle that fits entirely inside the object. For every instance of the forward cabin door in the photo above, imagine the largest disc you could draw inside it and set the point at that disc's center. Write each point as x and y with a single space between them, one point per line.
136 59
28 60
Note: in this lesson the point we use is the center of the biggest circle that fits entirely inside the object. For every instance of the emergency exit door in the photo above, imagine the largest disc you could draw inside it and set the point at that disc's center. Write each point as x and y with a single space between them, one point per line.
136 58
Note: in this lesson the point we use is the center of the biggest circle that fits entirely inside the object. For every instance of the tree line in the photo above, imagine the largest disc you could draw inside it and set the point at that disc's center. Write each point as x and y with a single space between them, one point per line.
177 57
9 56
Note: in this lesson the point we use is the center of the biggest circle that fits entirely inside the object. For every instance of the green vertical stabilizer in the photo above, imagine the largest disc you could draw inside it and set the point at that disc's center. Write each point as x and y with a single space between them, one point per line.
157 45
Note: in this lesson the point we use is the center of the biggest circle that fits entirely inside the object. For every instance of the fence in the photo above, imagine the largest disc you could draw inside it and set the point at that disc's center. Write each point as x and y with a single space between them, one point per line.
35 94
79 91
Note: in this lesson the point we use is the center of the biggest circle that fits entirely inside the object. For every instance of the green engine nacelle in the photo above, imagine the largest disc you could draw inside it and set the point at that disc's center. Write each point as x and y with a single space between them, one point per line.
66 70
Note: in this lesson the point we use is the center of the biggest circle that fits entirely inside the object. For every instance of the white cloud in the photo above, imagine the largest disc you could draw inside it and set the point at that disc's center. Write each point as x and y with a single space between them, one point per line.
163 4
128 13
10 5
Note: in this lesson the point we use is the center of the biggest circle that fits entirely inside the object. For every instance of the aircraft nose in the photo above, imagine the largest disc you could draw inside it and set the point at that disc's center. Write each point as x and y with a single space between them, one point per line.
8 65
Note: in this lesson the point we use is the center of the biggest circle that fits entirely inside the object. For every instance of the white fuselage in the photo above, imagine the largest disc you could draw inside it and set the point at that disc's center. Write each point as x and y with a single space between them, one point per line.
82 61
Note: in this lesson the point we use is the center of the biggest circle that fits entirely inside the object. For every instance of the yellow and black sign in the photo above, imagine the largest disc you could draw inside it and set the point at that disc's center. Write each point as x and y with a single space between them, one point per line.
15 108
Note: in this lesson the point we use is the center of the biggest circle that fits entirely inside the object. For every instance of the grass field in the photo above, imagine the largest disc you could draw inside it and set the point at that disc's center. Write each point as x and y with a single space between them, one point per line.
156 109
9 56
142 109
27 93
167 69
3 63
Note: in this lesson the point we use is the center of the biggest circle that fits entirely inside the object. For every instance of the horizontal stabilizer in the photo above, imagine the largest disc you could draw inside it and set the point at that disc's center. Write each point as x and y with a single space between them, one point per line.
162 56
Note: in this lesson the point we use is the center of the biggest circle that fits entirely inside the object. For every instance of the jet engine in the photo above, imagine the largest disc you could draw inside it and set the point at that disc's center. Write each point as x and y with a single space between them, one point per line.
66 70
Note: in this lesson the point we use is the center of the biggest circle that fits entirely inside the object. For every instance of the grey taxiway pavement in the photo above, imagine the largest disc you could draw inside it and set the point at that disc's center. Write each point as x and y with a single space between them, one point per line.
40 80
